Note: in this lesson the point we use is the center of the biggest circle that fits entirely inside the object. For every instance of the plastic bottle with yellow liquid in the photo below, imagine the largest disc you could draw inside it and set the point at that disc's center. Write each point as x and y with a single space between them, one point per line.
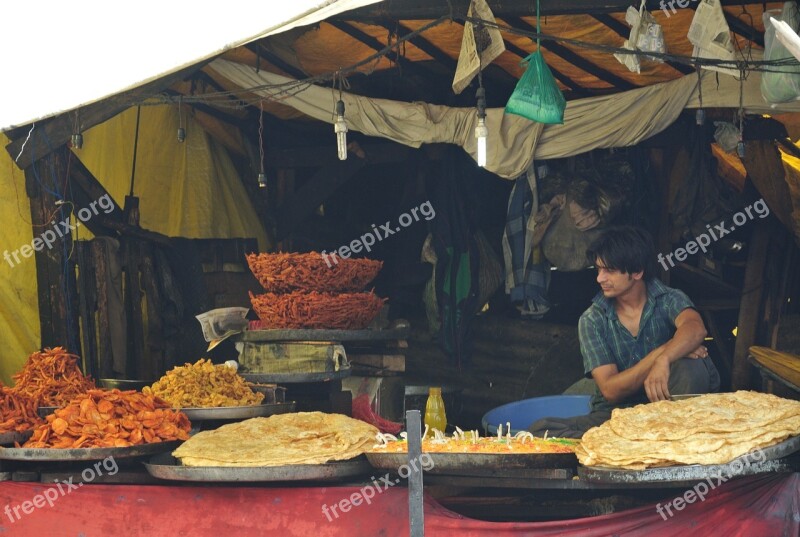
435 417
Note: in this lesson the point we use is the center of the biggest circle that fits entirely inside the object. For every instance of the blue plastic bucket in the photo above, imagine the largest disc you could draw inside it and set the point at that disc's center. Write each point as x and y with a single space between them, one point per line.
521 414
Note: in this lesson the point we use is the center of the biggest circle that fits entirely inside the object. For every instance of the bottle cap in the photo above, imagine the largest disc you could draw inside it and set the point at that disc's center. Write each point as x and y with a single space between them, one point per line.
435 390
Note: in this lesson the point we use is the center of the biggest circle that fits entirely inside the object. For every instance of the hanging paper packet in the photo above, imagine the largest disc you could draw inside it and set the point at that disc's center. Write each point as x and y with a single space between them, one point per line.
537 95
646 35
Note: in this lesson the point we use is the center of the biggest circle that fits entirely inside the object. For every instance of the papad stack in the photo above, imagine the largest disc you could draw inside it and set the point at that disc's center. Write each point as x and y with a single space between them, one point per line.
709 429
279 440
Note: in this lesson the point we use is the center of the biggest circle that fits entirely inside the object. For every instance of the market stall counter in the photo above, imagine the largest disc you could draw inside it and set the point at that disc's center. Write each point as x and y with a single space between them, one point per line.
755 505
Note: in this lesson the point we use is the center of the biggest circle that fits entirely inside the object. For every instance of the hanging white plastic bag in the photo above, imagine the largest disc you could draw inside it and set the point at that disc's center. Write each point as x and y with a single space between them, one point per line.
780 84
646 35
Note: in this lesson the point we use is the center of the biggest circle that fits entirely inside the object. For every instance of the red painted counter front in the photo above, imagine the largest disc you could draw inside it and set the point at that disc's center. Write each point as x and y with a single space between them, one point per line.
758 506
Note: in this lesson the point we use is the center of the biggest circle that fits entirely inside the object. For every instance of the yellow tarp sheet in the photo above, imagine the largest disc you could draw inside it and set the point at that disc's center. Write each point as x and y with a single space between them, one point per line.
19 306
188 189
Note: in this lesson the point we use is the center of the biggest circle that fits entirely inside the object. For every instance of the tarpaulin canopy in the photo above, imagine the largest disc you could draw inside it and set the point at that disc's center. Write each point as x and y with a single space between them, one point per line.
618 120
105 52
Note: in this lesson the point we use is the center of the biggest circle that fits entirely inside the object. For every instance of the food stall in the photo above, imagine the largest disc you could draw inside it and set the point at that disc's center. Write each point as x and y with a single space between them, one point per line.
209 438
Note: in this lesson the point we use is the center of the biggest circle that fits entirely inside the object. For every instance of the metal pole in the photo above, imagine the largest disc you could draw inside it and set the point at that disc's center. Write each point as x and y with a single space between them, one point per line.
416 513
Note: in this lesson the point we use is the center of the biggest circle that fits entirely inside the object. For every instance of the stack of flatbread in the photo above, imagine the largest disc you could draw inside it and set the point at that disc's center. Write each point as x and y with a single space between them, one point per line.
710 429
283 439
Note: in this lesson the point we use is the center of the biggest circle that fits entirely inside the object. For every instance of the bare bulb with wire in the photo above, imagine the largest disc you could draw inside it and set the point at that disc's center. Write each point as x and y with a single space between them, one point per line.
481 133
340 128
262 180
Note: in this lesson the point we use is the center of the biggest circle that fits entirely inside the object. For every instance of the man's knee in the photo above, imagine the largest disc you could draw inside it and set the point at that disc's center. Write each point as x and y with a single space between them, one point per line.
689 375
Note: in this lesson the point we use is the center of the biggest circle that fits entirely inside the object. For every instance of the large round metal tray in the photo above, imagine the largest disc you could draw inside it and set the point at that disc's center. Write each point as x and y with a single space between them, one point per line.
14 436
237 412
751 463
289 378
477 463
323 335
84 454
165 466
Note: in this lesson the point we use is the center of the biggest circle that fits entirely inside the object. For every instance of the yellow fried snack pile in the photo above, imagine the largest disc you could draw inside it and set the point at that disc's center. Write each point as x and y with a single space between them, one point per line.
203 385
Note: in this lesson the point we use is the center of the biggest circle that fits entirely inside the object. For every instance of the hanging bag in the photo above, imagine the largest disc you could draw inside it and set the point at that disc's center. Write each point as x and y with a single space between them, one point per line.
537 96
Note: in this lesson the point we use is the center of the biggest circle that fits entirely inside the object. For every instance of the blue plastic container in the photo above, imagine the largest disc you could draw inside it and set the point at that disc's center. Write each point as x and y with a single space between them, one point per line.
521 414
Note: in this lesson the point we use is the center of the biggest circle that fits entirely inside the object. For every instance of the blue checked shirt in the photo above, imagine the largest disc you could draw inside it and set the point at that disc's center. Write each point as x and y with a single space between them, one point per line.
604 340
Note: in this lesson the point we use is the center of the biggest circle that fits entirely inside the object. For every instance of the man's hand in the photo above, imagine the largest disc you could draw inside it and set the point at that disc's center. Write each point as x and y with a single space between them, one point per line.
699 352
656 385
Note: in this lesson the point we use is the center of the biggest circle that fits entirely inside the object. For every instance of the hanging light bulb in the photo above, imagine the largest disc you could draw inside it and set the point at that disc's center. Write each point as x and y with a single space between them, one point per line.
481 132
262 177
740 150
700 116
340 128
77 137
181 130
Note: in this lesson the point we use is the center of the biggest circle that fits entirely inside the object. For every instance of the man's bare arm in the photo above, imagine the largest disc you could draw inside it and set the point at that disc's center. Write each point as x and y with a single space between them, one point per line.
689 334
616 386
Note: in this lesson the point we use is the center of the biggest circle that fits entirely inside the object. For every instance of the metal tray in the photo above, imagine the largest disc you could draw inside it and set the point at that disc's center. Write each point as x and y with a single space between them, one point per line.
324 335
289 378
14 436
486 464
85 454
165 466
744 465
237 412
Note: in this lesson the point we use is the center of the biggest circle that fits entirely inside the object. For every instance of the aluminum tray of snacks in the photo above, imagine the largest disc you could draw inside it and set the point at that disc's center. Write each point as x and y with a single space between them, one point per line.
237 412
165 466
764 460
85 454
470 454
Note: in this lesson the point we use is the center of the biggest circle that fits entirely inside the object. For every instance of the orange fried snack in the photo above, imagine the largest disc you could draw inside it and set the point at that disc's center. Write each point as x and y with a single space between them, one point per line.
51 378
17 412
342 311
111 418
285 272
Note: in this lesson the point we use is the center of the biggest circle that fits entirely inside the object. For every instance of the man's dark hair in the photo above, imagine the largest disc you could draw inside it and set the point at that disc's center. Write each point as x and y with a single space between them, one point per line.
625 248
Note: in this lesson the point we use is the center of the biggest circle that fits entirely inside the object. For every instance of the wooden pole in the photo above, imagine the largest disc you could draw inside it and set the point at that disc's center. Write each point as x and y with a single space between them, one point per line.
55 272
750 306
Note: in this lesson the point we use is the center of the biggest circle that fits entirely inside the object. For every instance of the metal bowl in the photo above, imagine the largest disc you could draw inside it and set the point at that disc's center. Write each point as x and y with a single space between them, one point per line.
122 384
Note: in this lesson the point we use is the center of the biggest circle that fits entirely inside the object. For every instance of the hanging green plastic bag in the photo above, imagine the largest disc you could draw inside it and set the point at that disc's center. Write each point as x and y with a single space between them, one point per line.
537 96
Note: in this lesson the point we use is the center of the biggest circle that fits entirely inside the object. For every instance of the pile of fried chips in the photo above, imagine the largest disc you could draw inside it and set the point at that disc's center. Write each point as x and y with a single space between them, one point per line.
283 439
110 418
203 385
710 429
17 412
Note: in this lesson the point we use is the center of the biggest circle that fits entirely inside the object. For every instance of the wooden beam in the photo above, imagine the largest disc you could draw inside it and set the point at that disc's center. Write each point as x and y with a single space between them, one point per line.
376 45
50 134
750 308
58 300
324 183
574 58
277 61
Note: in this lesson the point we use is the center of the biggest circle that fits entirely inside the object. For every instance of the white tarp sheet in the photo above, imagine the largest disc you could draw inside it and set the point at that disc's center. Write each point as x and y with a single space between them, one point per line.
62 55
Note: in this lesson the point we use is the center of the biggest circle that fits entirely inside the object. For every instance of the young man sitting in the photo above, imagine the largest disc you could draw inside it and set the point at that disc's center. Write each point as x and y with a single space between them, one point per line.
640 340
